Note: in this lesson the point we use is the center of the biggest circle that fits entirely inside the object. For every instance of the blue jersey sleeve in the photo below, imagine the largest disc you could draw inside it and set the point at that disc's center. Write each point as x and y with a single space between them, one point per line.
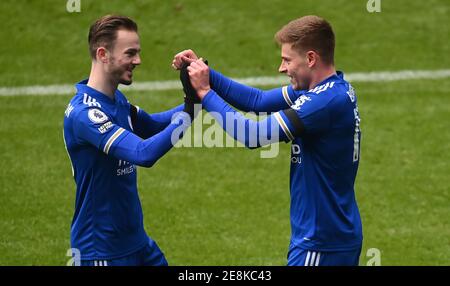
308 115
251 133
92 126
249 98
146 125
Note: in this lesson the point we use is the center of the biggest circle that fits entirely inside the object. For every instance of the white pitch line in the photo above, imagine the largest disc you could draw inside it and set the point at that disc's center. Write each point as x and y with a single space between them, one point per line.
67 89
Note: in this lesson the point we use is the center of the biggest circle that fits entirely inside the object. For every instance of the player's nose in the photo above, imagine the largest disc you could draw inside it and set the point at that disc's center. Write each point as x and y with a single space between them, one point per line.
282 68
137 60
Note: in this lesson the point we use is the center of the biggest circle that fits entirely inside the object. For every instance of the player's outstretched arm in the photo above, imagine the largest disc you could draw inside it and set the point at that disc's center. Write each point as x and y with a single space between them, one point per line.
249 98
122 144
277 127
253 134
93 126
146 125
147 152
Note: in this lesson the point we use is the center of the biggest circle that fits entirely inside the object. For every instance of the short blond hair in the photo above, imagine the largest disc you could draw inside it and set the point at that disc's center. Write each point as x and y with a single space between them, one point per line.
309 33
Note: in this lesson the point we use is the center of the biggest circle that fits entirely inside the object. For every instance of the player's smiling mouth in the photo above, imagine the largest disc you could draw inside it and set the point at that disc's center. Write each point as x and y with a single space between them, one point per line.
130 70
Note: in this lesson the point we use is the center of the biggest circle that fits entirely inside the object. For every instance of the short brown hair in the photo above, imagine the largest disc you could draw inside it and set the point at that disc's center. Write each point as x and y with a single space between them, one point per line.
309 33
104 31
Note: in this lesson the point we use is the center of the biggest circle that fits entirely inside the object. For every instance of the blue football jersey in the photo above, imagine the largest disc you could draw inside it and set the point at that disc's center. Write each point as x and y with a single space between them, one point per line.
108 220
324 126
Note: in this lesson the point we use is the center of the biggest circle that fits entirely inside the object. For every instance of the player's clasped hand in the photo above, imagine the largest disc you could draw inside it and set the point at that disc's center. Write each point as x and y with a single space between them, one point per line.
186 56
199 74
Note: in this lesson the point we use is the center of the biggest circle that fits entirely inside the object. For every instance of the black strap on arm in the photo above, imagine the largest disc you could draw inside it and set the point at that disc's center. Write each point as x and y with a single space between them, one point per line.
294 119
133 115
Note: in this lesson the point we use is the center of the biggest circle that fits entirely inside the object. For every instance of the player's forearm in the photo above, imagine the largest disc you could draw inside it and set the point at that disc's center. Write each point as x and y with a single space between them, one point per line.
147 152
247 98
252 134
148 125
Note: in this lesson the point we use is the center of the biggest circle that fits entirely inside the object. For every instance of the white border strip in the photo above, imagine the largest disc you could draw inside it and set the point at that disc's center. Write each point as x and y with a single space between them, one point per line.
67 89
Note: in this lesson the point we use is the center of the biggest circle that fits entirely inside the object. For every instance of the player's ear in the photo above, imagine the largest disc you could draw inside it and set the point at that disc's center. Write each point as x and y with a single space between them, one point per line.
102 55
311 58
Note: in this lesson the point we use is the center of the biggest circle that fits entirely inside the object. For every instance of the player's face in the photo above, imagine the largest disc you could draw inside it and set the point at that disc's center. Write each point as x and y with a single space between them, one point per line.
124 57
295 66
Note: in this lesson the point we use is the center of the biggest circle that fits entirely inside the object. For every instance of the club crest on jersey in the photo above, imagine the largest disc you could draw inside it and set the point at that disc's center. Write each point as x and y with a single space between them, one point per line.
300 101
97 116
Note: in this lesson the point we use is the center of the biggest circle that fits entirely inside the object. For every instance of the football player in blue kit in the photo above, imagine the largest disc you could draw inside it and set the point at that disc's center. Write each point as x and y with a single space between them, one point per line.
106 138
318 112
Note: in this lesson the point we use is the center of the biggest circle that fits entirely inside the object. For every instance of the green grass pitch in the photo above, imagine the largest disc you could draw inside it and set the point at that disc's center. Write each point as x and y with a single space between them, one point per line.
227 206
